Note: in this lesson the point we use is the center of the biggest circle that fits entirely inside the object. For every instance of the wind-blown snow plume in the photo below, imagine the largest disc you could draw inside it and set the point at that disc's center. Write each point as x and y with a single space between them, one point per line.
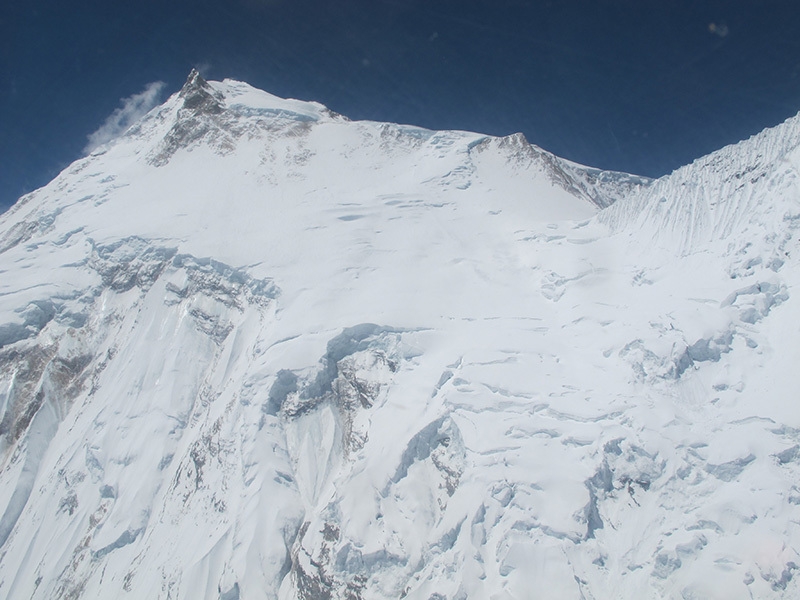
133 108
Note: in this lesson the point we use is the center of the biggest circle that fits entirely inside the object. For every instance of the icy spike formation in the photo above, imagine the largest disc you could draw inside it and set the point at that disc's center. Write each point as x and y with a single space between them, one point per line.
251 349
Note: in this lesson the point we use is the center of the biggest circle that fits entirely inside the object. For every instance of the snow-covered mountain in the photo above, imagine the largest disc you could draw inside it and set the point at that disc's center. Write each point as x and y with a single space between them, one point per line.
252 349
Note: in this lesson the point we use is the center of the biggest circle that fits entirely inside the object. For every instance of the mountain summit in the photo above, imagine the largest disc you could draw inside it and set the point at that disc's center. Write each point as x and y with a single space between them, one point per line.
253 349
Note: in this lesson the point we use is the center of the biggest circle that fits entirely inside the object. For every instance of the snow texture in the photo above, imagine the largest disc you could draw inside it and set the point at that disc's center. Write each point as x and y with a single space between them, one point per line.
252 349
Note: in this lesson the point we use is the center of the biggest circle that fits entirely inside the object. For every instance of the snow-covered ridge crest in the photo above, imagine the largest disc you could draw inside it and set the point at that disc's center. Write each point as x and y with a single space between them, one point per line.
218 114
255 148
719 195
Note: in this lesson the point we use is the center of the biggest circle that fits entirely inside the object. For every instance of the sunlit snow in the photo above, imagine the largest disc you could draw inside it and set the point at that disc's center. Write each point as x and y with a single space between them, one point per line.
252 349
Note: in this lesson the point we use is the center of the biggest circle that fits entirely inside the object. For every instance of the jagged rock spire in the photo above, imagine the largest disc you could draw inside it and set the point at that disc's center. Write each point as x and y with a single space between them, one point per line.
195 80
199 96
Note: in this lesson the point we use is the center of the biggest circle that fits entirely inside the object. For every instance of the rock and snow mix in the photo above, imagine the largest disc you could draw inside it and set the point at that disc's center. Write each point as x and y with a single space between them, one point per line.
252 349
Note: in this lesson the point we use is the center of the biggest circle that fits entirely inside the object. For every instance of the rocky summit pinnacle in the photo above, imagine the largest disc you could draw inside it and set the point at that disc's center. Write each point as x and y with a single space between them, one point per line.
199 96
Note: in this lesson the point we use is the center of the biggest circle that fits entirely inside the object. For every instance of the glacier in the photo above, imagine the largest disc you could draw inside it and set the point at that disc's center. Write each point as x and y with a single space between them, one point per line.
253 349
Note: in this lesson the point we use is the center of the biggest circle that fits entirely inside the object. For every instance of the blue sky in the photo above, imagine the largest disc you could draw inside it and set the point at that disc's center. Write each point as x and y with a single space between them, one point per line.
637 85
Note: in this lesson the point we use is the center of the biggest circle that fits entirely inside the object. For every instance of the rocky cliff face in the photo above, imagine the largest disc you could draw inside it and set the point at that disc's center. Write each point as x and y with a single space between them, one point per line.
252 349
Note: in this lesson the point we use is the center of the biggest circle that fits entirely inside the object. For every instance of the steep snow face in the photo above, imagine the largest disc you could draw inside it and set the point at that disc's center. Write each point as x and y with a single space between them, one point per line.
725 196
252 349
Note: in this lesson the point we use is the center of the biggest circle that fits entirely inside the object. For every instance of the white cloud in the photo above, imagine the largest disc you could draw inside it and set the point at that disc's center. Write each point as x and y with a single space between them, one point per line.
133 108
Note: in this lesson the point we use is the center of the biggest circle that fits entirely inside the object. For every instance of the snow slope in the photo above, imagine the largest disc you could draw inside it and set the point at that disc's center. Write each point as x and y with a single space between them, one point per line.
252 349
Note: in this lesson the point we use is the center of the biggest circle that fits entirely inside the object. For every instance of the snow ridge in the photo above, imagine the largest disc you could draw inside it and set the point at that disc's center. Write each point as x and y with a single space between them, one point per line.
719 195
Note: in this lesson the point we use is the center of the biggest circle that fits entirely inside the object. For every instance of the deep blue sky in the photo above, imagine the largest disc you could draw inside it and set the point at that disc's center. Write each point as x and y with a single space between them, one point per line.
637 85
